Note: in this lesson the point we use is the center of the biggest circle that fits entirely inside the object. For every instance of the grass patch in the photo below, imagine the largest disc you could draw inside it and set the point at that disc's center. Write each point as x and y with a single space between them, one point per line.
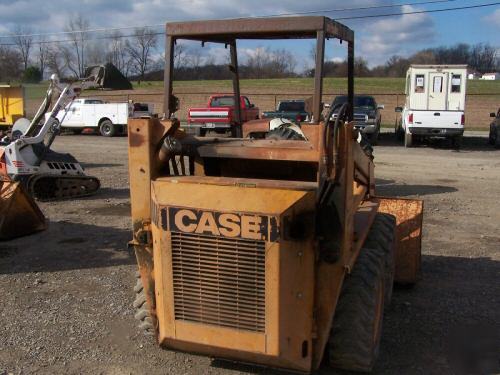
287 86
371 85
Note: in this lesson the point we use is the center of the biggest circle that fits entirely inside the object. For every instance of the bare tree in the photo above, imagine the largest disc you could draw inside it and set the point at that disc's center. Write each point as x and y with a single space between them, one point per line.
74 55
266 63
42 55
10 64
483 58
96 53
194 58
282 63
23 42
140 48
55 61
117 52
179 55
258 62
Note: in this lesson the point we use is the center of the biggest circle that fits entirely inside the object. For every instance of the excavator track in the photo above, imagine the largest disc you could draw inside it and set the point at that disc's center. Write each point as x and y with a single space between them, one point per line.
49 187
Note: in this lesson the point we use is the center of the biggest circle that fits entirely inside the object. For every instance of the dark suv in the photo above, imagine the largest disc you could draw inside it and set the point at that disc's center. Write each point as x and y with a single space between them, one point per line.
494 137
367 116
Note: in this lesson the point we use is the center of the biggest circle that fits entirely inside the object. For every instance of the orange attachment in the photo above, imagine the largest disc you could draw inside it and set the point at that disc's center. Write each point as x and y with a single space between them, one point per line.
19 214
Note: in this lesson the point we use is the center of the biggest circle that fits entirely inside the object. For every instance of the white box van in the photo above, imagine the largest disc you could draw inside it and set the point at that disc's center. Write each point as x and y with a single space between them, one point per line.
435 103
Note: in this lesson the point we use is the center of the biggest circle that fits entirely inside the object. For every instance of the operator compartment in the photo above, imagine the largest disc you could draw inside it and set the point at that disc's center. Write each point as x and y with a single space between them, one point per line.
233 266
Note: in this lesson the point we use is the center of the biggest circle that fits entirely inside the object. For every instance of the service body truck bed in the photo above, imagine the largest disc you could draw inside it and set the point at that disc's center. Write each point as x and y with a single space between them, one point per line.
435 103
108 118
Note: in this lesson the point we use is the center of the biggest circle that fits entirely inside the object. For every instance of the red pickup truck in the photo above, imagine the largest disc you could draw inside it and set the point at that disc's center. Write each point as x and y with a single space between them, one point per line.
219 114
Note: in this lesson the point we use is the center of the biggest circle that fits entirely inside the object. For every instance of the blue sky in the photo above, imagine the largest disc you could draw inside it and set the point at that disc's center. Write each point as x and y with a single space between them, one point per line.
377 38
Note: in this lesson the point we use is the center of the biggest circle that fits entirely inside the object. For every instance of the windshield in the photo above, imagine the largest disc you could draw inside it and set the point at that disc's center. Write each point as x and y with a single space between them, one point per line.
291 107
359 101
222 101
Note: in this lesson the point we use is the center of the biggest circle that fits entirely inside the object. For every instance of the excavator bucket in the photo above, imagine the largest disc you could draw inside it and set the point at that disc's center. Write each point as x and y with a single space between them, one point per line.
19 214
108 77
409 215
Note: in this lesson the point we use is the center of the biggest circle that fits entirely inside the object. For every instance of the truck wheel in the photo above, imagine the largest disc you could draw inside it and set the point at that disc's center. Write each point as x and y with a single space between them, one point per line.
408 137
456 141
141 306
494 138
203 132
284 133
357 325
107 129
491 136
373 138
381 239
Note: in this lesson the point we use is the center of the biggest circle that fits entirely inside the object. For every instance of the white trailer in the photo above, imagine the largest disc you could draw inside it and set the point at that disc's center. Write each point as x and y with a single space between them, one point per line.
108 118
435 103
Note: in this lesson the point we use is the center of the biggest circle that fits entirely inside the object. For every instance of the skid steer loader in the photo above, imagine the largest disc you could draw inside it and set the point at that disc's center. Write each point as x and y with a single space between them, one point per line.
271 251
30 169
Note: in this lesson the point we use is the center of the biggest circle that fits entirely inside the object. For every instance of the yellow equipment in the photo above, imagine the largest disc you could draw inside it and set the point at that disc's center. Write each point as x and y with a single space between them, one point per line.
273 251
12 104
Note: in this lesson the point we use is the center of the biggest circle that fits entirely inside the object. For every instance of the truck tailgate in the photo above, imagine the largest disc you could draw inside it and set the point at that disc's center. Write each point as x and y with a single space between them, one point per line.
209 114
436 119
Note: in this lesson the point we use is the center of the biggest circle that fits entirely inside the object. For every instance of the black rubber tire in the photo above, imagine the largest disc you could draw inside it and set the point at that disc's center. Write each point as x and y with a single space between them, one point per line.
495 137
373 138
456 142
492 135
202 132
107 129
355 336
381 239
366 146
283 132
141 307
399 132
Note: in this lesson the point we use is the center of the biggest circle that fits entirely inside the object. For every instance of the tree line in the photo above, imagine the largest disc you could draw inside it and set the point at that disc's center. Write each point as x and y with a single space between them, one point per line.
140 56
31 58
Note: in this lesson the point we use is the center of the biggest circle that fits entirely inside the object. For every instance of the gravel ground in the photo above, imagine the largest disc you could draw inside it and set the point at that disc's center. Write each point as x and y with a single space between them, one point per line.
67 292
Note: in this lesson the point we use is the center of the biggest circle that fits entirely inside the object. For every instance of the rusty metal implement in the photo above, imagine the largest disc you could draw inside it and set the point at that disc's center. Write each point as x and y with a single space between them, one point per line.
19 214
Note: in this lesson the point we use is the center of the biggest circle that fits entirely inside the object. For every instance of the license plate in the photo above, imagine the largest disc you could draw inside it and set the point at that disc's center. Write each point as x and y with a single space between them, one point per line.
210 125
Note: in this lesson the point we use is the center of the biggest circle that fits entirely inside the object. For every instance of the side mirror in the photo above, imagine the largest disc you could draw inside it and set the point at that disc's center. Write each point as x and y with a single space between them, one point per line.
492 115
380 106
398 109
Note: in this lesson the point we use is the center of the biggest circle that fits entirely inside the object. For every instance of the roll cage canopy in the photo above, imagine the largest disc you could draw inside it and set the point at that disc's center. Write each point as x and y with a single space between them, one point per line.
228 32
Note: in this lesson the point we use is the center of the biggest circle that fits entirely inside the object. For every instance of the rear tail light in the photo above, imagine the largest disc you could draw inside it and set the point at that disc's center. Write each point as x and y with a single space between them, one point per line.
298 118
462 121
410 118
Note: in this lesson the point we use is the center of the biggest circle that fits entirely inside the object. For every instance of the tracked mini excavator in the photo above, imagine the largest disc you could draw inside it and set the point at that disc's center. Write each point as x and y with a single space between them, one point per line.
30 169
273 251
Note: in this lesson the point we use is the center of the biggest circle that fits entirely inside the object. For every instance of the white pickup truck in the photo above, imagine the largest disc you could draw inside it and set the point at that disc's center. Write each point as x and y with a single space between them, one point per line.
435 104
109 118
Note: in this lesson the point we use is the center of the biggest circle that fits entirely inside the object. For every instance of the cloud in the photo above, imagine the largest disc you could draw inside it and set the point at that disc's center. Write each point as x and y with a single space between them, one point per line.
337 59
494 18
376 39
402 36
